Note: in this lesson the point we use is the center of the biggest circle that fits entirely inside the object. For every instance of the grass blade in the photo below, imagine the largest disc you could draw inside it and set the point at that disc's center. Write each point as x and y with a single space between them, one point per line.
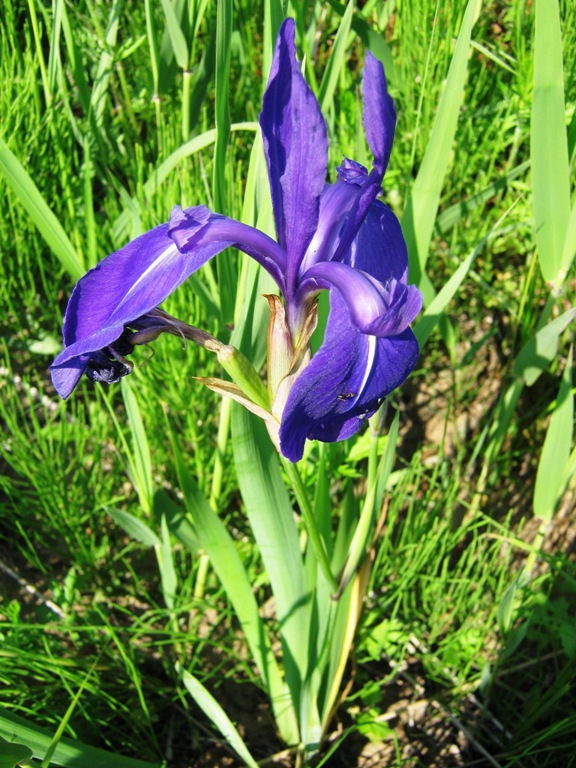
54 58
365 528
431 317
100 89
141 462
227 278
134 527
537 354
332 71
179 44
548 142
11 755
75 65
422 204
68 753
154 47
42 217
555 456
455 213
569 251
274 15
212 708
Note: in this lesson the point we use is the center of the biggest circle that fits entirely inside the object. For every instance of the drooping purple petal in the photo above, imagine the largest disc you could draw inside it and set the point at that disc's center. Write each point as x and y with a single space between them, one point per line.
125 285
375 308
296 146
344 383
136 279
103 288
66 376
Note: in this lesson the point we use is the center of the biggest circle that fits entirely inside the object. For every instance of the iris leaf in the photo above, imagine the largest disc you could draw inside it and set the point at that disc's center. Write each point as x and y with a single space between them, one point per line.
549 142
226 561
537 354
272 521
177 38
332 72
212 708
68 753
551 476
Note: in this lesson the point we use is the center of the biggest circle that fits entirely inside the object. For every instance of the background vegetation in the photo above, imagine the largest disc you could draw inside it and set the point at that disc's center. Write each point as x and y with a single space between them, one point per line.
466 654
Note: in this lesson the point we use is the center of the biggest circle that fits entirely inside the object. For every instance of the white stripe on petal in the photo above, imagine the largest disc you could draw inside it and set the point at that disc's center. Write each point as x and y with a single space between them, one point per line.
156 264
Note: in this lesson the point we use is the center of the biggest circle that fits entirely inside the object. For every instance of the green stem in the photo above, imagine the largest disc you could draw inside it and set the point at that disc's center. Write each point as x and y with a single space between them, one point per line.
38 41
310 522
221 443
186 82
201 574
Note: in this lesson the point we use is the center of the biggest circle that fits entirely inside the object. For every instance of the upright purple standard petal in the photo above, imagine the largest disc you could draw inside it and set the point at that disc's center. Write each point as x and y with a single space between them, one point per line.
344 383
379 117
379 112
296 146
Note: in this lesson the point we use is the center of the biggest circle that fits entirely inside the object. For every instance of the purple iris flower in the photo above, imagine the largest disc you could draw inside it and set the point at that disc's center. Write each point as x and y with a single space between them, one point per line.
336 237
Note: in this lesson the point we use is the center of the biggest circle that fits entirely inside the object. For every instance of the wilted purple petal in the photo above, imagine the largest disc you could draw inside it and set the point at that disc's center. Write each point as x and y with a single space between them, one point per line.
344 383
296 146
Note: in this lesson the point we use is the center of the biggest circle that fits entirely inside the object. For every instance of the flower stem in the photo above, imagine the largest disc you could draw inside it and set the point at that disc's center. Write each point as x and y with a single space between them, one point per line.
310 522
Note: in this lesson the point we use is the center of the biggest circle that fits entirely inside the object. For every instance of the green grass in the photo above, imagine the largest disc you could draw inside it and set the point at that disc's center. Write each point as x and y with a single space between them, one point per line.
87 638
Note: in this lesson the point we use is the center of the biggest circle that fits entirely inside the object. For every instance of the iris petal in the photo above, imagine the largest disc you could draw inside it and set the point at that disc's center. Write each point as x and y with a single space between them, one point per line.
335 202
201 234
379 247
101 290
344 383
379 117
375 308
379 112
65 377
296 146
136 279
